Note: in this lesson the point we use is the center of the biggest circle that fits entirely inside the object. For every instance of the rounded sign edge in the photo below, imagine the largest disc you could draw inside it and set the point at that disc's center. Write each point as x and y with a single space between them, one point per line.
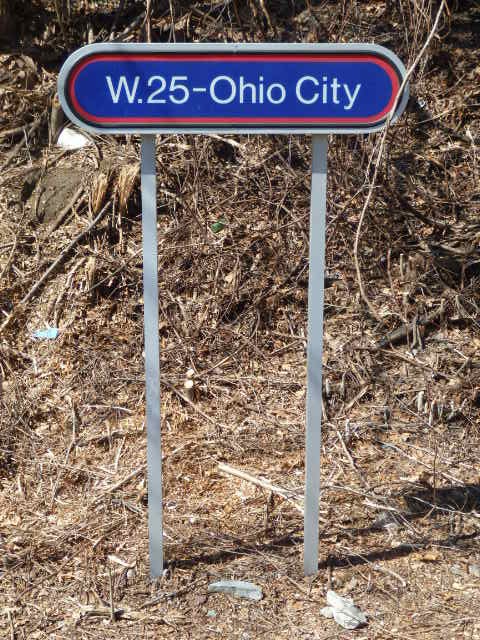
217 48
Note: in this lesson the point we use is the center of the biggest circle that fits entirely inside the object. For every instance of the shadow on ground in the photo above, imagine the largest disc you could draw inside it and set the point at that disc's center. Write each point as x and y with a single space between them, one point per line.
420 503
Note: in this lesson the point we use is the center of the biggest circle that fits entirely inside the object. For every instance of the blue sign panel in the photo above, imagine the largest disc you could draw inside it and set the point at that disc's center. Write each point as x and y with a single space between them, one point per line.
283 88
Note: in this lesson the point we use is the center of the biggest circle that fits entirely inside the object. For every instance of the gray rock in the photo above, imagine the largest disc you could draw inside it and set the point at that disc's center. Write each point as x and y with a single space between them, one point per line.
457 570
237 588
387 520
474 570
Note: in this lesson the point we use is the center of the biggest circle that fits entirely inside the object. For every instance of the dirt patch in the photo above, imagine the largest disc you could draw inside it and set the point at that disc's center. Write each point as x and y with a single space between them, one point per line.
53 191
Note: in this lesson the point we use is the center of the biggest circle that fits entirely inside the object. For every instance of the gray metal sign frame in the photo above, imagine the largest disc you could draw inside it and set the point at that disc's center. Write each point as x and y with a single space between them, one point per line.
218 48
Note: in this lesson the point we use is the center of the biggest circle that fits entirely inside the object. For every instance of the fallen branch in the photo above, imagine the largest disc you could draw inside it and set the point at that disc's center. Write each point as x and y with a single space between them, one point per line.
167 595
62 255
358 397
23 141
291 496
53 266
12 132
403 332
122 482
414 362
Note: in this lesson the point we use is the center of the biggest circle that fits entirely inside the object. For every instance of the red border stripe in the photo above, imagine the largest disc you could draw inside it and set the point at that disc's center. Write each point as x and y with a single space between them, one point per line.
90 118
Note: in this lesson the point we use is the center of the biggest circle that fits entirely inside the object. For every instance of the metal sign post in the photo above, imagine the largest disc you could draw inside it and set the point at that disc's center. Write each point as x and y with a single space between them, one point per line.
152 354
316 279
315 89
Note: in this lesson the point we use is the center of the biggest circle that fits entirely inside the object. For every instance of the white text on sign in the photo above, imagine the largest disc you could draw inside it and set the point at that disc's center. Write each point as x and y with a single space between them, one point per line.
224 89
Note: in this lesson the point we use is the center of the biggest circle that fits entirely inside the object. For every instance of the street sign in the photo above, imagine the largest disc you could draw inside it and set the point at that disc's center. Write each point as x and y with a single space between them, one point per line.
248 88
234 88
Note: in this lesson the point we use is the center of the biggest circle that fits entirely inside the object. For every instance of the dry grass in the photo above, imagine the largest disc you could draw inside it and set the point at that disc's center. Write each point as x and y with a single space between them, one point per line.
401 423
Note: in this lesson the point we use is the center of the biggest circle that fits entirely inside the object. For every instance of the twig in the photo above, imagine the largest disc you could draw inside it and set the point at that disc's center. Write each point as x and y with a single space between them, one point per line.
122 482
447 476
106 438
389 572
60 19
72 444
21 143
192 404
100 613
121 6
266 14
397 335
113 616
10 621
47 575
170 594
329 573
233 143
351 460
346 451
148 20
131 27
381 146
53 266
415 362
12 132
116 272
13 249
413 211
280 491
172 21
358 397
62 255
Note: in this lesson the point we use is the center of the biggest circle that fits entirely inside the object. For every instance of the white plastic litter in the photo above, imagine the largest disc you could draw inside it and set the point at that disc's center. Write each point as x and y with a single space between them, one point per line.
71 140
237 588
46 334
345 613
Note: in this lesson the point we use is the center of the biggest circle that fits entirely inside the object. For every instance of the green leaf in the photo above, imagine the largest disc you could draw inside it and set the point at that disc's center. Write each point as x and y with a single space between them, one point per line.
218 226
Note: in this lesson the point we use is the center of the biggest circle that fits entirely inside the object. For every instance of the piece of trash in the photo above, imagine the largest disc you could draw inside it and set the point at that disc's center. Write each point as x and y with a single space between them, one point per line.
474 570
326 612
237 588
218 226
71 140
456 569
46 334
211 613
345 613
